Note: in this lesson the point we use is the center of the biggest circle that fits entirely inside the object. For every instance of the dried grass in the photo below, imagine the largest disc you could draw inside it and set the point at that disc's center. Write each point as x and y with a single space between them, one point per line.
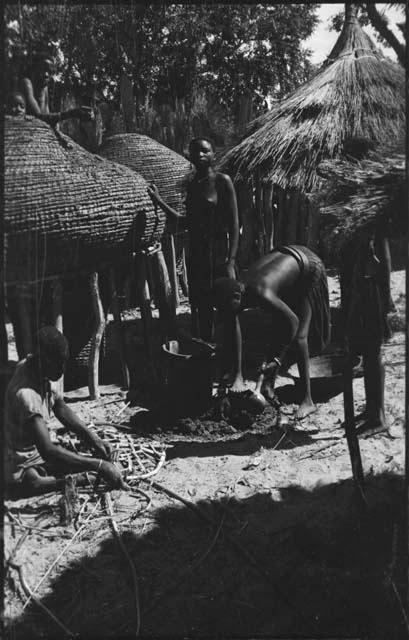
357 92
357 196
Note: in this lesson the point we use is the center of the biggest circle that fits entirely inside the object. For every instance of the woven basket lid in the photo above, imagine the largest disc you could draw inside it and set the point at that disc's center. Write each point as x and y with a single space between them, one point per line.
67 209
155 162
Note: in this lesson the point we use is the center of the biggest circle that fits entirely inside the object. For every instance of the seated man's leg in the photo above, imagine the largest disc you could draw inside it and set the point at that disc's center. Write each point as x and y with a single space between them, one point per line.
34 483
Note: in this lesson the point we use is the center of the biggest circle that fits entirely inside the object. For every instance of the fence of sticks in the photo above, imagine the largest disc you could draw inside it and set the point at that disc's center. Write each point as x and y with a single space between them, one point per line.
71 214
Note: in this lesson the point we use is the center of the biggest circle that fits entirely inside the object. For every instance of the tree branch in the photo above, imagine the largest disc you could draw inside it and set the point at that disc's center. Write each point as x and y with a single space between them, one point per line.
380 24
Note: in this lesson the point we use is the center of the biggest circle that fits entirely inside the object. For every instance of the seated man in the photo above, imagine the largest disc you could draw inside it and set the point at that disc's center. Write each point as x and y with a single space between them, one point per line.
290 283
33 463
34 87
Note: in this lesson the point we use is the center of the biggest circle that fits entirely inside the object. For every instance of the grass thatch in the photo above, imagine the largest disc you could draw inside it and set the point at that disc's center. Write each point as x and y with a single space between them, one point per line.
358 196
357 92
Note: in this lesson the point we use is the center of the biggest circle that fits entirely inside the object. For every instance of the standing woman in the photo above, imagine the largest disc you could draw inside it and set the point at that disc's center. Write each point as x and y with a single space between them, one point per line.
213 231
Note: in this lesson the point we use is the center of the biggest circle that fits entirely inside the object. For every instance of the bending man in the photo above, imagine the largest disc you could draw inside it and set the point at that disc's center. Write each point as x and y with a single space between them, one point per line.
33 462
290 283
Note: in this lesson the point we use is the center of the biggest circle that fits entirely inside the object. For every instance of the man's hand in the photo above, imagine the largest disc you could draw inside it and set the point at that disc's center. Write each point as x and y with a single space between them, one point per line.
101 449
112 476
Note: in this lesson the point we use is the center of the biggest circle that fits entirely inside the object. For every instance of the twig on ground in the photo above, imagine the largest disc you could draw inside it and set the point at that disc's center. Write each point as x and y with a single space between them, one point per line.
108 502
248 555
60 555
280 440
31 596
122 410
326 446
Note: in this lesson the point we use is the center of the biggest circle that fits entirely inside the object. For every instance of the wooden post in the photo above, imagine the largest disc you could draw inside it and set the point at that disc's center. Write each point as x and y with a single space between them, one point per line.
350 431
259 218
292 215
145 304
24 316
93 362
57 318
167 311
268 216
301 237
314 224
245 206
281 215
171 264
4 345
183 276
119 328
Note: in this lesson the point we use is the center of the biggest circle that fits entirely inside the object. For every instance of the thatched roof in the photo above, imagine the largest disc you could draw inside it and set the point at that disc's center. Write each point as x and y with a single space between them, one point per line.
155 162
357 92
66 208
357 196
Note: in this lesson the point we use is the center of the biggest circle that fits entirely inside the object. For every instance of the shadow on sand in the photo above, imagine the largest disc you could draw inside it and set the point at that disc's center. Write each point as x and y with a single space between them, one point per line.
319 568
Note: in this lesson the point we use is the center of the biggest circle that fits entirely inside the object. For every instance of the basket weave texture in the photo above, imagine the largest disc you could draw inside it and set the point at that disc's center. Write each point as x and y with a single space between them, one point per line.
66 208
155 162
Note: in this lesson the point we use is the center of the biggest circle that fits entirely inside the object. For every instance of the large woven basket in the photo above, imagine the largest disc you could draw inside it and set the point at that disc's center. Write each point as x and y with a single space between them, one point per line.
67 209
155 162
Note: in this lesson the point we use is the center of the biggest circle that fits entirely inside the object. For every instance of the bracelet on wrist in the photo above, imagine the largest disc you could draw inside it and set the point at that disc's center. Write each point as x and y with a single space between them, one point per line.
277 361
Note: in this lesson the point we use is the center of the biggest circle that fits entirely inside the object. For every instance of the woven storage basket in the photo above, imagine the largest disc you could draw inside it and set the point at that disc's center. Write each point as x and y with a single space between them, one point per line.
155 162
67 209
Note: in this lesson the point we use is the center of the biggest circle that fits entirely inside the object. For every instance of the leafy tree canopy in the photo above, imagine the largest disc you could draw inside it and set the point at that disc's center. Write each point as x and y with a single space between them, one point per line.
169 51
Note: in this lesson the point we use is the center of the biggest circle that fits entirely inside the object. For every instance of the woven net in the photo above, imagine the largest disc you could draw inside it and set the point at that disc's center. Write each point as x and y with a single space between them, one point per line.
155 162
67 209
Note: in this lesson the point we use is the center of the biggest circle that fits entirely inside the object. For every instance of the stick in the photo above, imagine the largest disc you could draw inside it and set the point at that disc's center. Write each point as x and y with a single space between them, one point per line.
350 432
108 502
167 311
248 555
60 555
93 362
31 596
145 305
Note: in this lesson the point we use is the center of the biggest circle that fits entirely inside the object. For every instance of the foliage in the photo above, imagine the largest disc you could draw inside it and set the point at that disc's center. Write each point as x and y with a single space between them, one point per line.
169 51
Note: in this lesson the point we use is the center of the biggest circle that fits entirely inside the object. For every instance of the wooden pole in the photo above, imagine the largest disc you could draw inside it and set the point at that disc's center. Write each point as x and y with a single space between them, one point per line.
24 317
4 345
292 215
171 263
57 317
268 215
119 328
281 213
259 219
245 206
93 362
301 237
167 311
183 275
145 304
350 432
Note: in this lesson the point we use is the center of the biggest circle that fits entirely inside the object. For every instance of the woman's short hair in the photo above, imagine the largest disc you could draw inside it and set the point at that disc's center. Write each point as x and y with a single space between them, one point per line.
195 142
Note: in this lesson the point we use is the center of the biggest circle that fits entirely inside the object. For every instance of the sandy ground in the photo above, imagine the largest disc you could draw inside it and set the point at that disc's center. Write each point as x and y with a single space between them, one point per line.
286 550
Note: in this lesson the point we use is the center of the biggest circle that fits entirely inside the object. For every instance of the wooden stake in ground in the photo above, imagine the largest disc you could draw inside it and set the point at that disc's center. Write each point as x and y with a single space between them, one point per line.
167 311
144 304
119 328
93 362
4 350
350 431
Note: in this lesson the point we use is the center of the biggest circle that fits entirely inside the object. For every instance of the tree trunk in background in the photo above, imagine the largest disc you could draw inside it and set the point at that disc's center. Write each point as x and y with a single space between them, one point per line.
127 103
245 206
268 216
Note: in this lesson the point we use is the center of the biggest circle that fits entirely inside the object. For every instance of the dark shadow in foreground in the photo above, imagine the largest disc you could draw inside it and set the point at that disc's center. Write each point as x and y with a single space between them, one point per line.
322 569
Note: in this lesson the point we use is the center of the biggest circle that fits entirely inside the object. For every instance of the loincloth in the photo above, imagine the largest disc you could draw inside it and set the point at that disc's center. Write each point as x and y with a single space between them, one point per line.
313 285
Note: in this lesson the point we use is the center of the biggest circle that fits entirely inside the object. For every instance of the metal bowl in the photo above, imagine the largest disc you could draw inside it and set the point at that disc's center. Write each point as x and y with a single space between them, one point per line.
326 372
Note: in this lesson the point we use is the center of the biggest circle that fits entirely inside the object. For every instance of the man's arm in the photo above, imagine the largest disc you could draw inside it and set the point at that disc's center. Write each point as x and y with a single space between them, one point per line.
33 108
71 421
286 322
59 455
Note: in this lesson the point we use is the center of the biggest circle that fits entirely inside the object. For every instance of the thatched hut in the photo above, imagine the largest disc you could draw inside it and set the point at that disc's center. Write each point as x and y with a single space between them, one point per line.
357 197
169 171
357 92
69 215
67 209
